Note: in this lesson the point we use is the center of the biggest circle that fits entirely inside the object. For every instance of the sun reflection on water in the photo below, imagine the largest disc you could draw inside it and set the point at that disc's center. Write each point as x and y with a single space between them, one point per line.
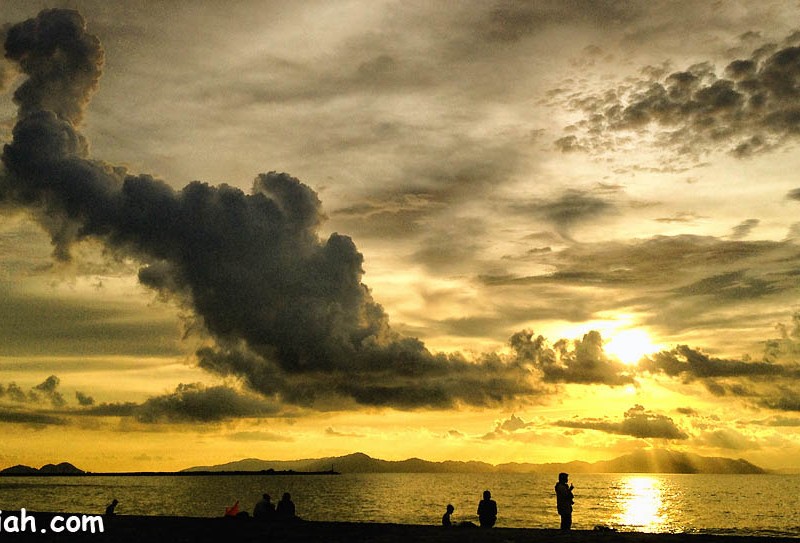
641 505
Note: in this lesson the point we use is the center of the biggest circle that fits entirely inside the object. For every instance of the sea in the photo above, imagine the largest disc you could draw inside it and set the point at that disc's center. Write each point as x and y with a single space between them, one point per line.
765 505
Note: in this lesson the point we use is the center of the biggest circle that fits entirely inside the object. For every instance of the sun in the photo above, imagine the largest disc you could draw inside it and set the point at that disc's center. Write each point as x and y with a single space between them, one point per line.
629 346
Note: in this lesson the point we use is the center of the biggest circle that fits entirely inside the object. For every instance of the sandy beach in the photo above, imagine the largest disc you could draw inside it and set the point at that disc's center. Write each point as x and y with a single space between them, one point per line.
124 528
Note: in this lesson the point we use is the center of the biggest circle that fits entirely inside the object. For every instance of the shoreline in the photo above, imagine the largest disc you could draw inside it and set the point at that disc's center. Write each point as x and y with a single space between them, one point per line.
135 528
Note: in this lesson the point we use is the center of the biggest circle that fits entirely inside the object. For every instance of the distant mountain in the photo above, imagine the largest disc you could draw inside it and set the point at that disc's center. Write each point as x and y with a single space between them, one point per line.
656 461
652 461
19 469
64 468
351 463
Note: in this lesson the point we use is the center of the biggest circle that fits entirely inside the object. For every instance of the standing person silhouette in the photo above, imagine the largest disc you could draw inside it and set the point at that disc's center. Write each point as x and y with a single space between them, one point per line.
487 510
564 500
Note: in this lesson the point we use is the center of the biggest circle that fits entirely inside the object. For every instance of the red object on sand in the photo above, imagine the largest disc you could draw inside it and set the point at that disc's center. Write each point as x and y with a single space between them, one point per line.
232 511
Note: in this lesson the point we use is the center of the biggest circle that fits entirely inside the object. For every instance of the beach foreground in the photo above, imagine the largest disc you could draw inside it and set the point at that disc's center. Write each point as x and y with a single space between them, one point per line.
125 528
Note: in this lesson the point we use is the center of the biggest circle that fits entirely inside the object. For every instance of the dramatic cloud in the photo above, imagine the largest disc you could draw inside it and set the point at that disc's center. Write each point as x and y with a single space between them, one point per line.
637 422
62 61
288 310
749 107
785 399
568 210
188 403
193 402
767 383
505 428
585 363
83 399
46 391
682 282
14 393
744 229
197 403
510 21
690 364
15 416
33 407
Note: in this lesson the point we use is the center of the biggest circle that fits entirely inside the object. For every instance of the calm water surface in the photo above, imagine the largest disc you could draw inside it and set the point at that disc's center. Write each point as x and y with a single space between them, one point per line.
738 504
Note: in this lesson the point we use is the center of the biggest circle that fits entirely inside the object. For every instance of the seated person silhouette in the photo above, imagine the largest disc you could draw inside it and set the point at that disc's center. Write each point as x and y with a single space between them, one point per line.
487 510
264 509
285 509
111 506
446 517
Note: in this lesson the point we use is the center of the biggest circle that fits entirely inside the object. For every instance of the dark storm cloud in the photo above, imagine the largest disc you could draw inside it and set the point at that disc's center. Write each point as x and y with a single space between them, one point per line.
690 364
637 422
401 374
784 399
113 409
18 406
62 61
13 392
44 392
749 107
188 403
569 209
197 403
288 310
762 383
29 418
48 389
743 229
581 361
513 20
736 285
83 399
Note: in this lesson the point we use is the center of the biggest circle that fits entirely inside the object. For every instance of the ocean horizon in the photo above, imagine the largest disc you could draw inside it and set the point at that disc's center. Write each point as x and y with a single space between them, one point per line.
659 503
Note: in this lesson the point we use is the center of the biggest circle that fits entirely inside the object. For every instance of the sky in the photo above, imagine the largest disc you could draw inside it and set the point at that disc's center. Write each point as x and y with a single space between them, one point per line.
493 230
